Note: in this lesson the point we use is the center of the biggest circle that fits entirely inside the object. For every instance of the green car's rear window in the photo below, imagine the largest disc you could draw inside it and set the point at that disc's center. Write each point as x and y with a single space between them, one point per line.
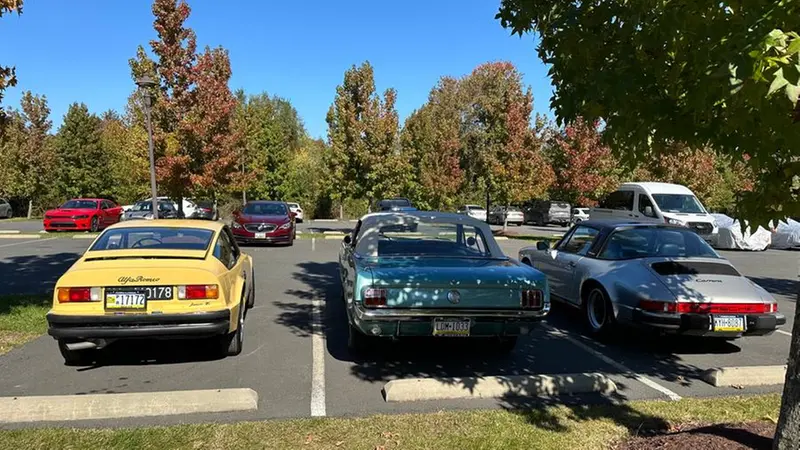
431 239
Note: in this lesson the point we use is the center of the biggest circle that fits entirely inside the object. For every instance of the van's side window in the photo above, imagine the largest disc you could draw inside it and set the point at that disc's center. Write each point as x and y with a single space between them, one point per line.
646 206
620 200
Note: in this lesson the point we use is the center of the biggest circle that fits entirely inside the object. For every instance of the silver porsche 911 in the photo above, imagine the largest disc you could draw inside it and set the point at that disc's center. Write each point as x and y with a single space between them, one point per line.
662 277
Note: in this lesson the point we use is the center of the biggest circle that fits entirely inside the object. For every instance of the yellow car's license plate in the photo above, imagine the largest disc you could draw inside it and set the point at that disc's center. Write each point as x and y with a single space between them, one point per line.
126 300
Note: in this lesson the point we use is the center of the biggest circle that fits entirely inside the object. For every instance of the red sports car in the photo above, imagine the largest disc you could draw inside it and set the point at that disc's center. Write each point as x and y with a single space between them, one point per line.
82 214
264 221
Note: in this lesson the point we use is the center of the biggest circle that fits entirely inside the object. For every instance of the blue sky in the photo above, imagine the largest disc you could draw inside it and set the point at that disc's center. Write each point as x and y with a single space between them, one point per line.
79 51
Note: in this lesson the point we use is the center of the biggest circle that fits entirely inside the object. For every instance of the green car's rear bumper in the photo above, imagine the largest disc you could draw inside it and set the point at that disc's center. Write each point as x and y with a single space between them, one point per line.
419 322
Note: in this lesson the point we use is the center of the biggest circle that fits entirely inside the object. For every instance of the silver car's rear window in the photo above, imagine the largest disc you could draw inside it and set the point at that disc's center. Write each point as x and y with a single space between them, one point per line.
645 242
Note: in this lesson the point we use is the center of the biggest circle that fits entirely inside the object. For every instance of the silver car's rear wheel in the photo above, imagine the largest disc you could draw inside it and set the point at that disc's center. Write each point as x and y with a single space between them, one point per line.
599 315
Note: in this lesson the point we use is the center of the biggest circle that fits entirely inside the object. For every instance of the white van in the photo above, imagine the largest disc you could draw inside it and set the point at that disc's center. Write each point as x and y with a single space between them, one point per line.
657 202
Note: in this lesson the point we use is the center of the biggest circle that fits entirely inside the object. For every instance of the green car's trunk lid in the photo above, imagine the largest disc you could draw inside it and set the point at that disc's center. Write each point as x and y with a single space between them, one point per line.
482 283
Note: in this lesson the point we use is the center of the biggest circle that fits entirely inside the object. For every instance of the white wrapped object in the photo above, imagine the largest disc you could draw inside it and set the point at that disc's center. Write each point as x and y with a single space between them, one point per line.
786 234
731 236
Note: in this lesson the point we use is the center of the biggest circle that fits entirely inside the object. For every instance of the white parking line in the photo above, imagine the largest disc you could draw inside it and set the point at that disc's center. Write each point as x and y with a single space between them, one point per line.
313 244
27 242
784 332
621 367
317 361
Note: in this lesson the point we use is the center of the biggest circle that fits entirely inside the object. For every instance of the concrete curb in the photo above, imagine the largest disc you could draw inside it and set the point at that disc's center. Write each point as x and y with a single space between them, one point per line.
109 406
85 236
745 376
20 236
338 233
336 237
415 389
324 220
9 231
501 238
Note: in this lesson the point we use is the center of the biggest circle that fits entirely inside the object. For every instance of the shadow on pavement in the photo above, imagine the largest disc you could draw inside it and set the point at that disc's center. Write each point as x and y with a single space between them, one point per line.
779 286
33 274
322 283
143 352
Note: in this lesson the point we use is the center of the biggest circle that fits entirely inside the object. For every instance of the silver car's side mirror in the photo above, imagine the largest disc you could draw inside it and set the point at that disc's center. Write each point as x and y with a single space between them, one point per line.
347 239
541 245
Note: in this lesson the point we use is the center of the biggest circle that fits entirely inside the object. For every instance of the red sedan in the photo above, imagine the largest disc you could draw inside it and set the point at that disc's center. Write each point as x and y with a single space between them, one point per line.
82 214
264 221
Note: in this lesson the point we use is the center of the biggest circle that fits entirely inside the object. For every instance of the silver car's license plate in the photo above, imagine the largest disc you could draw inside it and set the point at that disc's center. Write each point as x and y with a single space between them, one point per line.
729 323
449 327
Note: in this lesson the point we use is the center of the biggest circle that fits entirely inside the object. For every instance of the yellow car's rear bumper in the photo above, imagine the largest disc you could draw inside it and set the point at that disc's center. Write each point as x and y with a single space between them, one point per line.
138 325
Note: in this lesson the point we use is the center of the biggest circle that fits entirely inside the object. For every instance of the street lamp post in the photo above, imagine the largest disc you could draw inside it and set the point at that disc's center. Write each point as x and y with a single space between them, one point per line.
146 83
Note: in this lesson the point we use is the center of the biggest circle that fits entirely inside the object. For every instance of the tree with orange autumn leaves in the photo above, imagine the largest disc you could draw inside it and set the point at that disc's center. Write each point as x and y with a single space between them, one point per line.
193 108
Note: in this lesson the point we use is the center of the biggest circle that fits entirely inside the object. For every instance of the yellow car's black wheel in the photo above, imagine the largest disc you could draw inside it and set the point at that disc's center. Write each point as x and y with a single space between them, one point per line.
74 357
231 344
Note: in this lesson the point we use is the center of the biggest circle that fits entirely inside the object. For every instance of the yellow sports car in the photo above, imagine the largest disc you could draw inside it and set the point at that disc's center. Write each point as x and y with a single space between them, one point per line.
158 279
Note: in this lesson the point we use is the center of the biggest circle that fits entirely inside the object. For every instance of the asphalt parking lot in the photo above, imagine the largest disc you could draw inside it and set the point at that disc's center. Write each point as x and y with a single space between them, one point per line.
296 358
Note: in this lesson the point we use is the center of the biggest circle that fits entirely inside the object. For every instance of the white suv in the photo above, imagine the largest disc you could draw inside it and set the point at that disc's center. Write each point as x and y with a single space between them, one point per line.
297 211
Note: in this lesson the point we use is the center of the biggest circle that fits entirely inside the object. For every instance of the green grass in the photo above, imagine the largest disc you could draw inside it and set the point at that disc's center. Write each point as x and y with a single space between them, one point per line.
22 318
554 427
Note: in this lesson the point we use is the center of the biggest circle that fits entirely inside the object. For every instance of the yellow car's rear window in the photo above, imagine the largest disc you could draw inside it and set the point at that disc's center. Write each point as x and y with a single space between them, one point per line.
154 238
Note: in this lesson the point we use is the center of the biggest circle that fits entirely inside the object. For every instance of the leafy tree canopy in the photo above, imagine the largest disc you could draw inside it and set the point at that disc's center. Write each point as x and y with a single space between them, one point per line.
720 74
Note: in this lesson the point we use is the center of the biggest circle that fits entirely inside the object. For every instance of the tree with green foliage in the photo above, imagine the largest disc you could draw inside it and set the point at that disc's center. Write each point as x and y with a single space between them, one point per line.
271 133
505 154
364 159
306 180
8 76
82 162
126 148
718 74
431 139
27 153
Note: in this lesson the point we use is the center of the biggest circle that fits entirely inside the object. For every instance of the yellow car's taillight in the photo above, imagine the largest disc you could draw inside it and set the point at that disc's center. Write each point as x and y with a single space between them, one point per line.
198 291
78 294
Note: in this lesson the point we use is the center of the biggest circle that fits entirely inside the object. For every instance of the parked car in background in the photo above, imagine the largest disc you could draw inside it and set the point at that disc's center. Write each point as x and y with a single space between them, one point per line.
579 215
656 276
297 211
512 215
657 202
205 209
435 274
5 209
396 204
544 212
261 221
170 279
475 211
82 214
188 205
144 210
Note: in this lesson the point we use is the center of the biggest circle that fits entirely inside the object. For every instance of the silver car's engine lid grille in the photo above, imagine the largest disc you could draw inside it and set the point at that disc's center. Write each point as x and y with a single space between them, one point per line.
693 268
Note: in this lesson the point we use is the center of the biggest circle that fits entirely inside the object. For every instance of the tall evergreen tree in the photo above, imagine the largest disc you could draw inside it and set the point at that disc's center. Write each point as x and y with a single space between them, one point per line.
83 165
365 159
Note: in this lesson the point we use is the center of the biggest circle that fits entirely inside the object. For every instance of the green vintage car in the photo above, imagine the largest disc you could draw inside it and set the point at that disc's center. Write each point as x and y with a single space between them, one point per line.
410 273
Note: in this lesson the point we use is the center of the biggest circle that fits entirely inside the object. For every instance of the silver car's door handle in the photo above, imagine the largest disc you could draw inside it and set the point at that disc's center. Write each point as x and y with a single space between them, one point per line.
571 264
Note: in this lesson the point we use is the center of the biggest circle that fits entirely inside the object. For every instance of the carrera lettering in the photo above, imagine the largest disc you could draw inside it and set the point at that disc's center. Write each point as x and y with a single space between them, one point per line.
138 279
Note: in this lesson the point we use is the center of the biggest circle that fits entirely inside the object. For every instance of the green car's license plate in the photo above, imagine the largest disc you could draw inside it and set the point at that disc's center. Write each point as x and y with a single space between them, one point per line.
446 327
